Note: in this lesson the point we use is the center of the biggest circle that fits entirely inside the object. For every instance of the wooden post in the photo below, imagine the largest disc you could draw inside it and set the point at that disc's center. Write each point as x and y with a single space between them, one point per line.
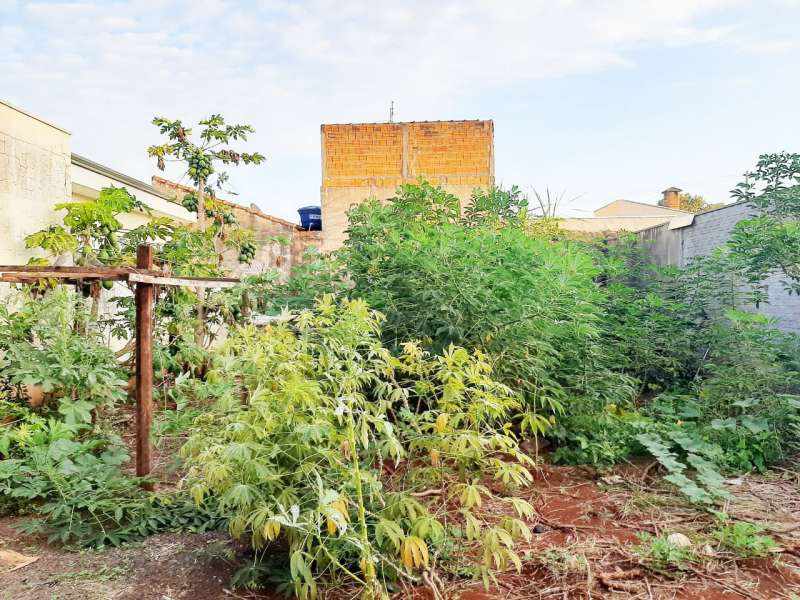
144 365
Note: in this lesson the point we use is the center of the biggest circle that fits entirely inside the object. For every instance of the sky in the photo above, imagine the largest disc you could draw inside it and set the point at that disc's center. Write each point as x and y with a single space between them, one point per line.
592 99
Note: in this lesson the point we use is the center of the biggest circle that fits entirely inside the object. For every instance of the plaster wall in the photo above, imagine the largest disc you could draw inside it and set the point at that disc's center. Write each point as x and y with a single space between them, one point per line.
34 176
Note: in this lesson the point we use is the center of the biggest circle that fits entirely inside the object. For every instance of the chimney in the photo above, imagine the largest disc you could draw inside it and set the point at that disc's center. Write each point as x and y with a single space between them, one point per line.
672 198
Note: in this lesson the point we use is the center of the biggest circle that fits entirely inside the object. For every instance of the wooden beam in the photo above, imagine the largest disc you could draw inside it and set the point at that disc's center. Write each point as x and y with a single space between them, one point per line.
17 273
144 365
195 282
58 271
68 277
17 279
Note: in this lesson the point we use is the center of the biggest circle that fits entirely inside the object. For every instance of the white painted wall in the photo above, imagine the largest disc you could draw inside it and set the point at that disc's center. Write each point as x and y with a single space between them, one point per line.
34 176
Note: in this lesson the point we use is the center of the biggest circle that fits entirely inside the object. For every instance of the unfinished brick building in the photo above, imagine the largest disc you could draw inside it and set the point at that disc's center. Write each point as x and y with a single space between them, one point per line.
366 160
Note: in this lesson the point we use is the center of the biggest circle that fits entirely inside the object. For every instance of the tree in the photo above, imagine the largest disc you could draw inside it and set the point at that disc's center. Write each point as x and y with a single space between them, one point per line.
199 157
92 234
770 240
694 203
495 205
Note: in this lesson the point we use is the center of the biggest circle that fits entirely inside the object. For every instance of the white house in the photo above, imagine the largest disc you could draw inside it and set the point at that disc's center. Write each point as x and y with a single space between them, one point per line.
38 171
628 215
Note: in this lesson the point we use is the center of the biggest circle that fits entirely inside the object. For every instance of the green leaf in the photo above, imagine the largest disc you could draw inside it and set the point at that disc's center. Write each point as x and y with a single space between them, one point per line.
729 423
76 412
755 424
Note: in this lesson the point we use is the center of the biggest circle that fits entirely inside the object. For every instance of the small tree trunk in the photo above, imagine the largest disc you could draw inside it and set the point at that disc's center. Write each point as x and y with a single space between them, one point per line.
200 329
201 205
94 311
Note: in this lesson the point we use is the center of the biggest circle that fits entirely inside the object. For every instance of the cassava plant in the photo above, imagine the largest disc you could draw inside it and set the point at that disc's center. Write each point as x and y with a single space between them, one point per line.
323 442
486 282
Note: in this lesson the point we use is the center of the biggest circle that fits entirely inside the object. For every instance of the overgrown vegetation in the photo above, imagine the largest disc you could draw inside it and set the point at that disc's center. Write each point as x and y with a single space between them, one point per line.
485 281
356 438
62 457
613 357
326 437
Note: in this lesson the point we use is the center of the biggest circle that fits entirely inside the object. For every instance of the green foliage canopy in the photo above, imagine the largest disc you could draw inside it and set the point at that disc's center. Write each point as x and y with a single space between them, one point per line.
529 301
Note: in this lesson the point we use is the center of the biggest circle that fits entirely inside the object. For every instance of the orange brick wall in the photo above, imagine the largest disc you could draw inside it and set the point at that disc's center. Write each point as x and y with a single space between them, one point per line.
361 155
371 159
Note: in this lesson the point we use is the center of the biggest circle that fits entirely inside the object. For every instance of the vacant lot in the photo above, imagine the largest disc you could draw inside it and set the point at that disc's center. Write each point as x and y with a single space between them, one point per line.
585 545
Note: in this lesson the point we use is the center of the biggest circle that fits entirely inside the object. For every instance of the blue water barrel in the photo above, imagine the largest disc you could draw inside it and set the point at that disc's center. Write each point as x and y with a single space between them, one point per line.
310 217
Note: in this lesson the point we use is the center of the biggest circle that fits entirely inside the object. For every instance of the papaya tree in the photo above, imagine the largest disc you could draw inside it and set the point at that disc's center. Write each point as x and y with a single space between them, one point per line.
769 241
203 157
92 234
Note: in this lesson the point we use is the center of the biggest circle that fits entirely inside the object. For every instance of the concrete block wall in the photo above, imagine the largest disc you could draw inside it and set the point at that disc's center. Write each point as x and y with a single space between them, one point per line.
712 229
366 160
664 246
709 231
34 177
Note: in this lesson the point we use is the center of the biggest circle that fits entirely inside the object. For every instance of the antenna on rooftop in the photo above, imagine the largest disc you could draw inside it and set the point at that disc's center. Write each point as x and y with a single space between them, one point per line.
391 112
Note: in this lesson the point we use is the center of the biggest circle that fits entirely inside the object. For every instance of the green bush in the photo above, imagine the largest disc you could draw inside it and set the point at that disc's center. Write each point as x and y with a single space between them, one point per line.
61 460
750 394
323 435
75 487
529 301
744 540
598 438
49 343
740 415
268 293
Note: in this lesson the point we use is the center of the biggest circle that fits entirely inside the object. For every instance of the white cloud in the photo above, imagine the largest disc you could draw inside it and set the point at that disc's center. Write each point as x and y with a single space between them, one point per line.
687 36
105 69
775 46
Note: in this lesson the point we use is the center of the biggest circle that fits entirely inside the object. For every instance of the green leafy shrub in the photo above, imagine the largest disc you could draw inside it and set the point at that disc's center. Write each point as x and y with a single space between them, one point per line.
741 415
769 241
750 393
744 539
578 324
689 462
598 438
663 555
660 322
532 303
60 459
268 293
323 435
648 329
48 343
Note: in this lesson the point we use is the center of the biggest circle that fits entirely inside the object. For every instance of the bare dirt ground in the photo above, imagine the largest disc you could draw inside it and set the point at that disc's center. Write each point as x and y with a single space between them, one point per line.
162 567
590 525
583 547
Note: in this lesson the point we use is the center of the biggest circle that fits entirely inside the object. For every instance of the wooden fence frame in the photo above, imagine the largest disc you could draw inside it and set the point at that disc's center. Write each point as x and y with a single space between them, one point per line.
145 278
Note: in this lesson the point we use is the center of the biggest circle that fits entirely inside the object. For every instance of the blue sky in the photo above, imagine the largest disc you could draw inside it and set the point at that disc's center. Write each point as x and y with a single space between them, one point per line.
597 99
